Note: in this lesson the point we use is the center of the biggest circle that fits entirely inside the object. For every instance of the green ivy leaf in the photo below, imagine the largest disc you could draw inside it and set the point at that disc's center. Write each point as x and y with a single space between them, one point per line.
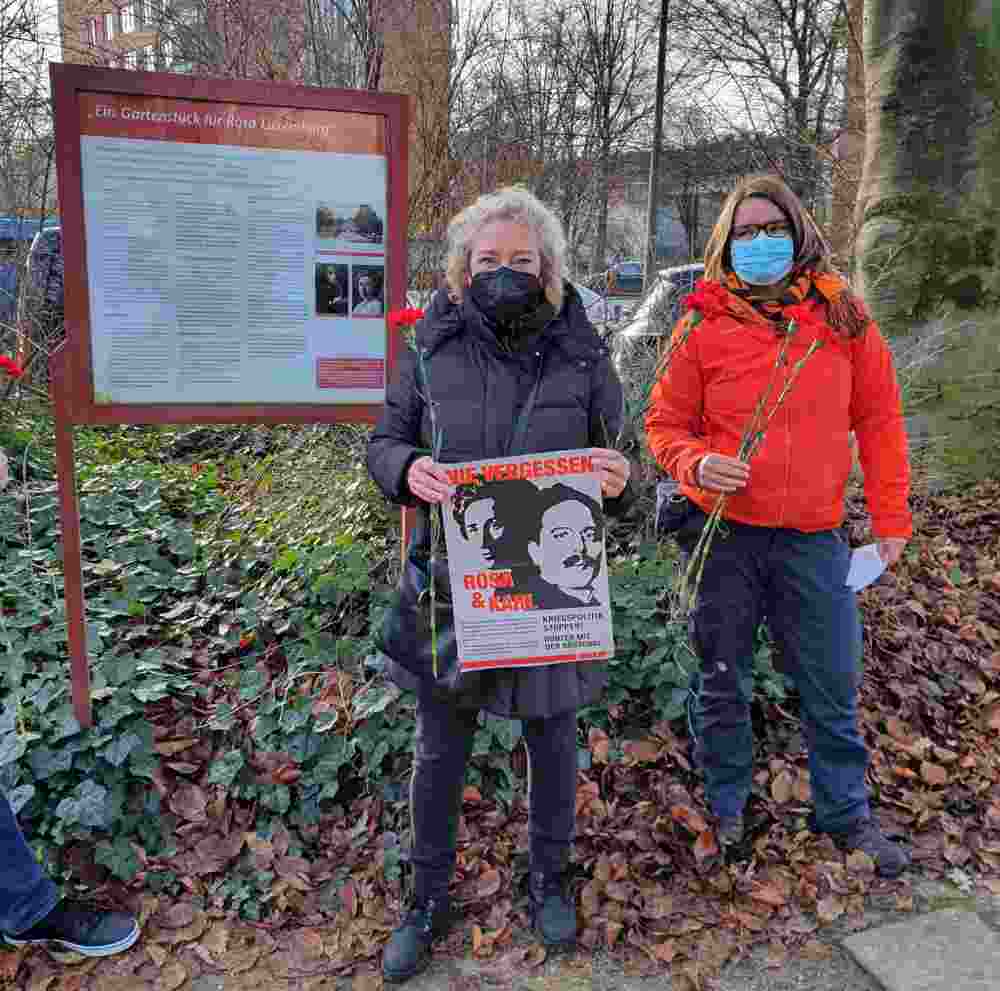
252 683
87 805
376 698
20 796
117 752
119 857
222 717
45 762
152 691
225 770
12 748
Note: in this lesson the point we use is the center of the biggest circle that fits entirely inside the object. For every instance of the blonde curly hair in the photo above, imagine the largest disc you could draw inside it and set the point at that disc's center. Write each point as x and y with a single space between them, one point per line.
515 204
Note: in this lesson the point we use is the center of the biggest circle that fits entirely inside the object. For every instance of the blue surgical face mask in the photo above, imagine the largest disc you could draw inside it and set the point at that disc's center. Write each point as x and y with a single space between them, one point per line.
763 260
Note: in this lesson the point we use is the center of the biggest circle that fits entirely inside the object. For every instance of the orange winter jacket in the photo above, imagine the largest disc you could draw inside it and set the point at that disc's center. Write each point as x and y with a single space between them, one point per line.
799 473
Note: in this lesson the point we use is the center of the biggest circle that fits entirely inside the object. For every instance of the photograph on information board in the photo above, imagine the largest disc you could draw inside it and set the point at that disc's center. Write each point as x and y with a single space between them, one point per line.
527 561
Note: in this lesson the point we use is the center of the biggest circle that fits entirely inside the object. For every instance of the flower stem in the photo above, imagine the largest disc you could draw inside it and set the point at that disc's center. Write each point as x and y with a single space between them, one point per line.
435 514
753 438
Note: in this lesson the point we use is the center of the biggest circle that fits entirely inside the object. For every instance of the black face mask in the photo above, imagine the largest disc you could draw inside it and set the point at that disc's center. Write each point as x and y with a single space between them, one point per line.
505 296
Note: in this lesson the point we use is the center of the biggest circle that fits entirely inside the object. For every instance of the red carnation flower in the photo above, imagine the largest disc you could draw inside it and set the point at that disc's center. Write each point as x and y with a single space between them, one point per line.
805 316
404 318
12 368
709 299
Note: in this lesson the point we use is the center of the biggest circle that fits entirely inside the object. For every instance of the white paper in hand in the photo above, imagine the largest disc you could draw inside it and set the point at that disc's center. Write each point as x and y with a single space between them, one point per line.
866 566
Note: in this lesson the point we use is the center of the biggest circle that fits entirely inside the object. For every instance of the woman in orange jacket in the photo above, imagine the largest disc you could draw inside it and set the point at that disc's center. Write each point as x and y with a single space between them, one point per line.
779 553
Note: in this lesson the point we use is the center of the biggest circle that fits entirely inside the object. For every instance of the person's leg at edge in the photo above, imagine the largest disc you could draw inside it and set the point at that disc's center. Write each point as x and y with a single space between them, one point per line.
814 616
552 766
27 894
32 913
723 625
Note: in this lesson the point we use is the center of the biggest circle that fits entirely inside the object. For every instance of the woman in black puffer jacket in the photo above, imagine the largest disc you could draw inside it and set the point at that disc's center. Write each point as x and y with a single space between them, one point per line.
509 337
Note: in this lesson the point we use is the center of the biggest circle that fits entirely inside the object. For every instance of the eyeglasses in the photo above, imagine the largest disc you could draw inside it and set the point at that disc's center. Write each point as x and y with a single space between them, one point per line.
776 228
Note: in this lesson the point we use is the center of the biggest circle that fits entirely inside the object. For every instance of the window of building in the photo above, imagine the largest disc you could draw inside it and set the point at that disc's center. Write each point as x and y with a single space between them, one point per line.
109 26
127 15
88 31
132 59
148 13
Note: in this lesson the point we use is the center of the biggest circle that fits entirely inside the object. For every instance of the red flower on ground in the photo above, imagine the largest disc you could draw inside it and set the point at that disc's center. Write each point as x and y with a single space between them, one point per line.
709 299
404 318
12 368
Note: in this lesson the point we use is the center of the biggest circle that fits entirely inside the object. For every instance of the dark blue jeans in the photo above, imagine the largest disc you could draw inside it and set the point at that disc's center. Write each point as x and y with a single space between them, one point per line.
443 745
796 581
26 893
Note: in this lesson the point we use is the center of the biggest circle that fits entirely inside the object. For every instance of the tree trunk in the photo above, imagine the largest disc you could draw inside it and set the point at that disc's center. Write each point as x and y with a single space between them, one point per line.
850 144
598 261
929 207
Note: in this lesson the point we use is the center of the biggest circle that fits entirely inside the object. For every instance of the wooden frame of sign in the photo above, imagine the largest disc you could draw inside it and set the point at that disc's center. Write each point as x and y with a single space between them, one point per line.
231 251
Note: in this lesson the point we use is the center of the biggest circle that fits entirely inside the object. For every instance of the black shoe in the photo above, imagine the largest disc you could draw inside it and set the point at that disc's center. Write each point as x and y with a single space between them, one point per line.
553 915
865 835
409 948
730 831
79 928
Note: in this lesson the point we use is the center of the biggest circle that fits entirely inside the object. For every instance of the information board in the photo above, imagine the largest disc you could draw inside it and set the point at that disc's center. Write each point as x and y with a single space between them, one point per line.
238 244
231 250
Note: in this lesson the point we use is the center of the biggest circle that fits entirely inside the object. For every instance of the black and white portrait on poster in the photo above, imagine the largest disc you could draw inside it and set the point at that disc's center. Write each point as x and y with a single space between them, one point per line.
527 561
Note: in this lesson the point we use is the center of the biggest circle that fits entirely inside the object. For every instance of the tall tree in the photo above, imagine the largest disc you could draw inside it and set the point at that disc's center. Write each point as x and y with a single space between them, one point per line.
848 150
539 118
781 59
929 206
27 180
236 39
616 80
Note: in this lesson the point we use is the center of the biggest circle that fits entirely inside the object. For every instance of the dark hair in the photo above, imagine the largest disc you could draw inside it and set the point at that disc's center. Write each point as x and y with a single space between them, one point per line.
507 496
559 493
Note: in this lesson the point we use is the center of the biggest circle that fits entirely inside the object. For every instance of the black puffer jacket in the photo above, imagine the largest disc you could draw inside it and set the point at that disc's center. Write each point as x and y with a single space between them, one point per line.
480 387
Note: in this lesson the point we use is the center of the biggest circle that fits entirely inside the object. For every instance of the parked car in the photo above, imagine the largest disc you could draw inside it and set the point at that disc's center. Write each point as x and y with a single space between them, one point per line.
626 277
40 306
637 344
15 235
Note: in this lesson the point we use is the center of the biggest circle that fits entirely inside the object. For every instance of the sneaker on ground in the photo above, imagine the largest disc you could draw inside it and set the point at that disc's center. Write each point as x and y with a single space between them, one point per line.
866 835
77 927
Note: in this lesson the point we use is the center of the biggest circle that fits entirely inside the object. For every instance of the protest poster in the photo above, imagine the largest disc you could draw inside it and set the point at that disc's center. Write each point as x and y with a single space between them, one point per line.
527 562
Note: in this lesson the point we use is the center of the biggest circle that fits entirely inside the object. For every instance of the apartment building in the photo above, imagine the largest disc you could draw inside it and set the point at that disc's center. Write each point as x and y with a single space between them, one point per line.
121 35
269 40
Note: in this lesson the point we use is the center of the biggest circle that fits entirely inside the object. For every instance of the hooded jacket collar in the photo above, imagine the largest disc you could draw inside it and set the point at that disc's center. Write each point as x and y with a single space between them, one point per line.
571 330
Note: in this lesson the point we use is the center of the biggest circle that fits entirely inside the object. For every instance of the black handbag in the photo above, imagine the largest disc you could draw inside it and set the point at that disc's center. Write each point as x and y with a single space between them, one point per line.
672 508
406 636
408 639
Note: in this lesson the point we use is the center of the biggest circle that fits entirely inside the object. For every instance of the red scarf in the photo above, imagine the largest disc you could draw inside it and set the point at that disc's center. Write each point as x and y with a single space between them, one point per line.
808 285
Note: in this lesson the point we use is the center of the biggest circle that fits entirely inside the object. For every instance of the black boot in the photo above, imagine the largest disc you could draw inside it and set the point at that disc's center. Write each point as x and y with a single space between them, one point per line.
553 914
409 948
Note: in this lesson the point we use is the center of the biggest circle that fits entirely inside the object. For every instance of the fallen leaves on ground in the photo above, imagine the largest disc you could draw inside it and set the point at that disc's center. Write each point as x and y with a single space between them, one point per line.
651 887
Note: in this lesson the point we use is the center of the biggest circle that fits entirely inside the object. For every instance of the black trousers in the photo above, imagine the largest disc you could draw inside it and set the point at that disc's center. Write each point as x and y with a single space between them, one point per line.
443 745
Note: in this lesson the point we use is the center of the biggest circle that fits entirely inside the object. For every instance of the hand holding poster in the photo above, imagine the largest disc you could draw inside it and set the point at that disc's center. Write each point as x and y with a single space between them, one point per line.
527 563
